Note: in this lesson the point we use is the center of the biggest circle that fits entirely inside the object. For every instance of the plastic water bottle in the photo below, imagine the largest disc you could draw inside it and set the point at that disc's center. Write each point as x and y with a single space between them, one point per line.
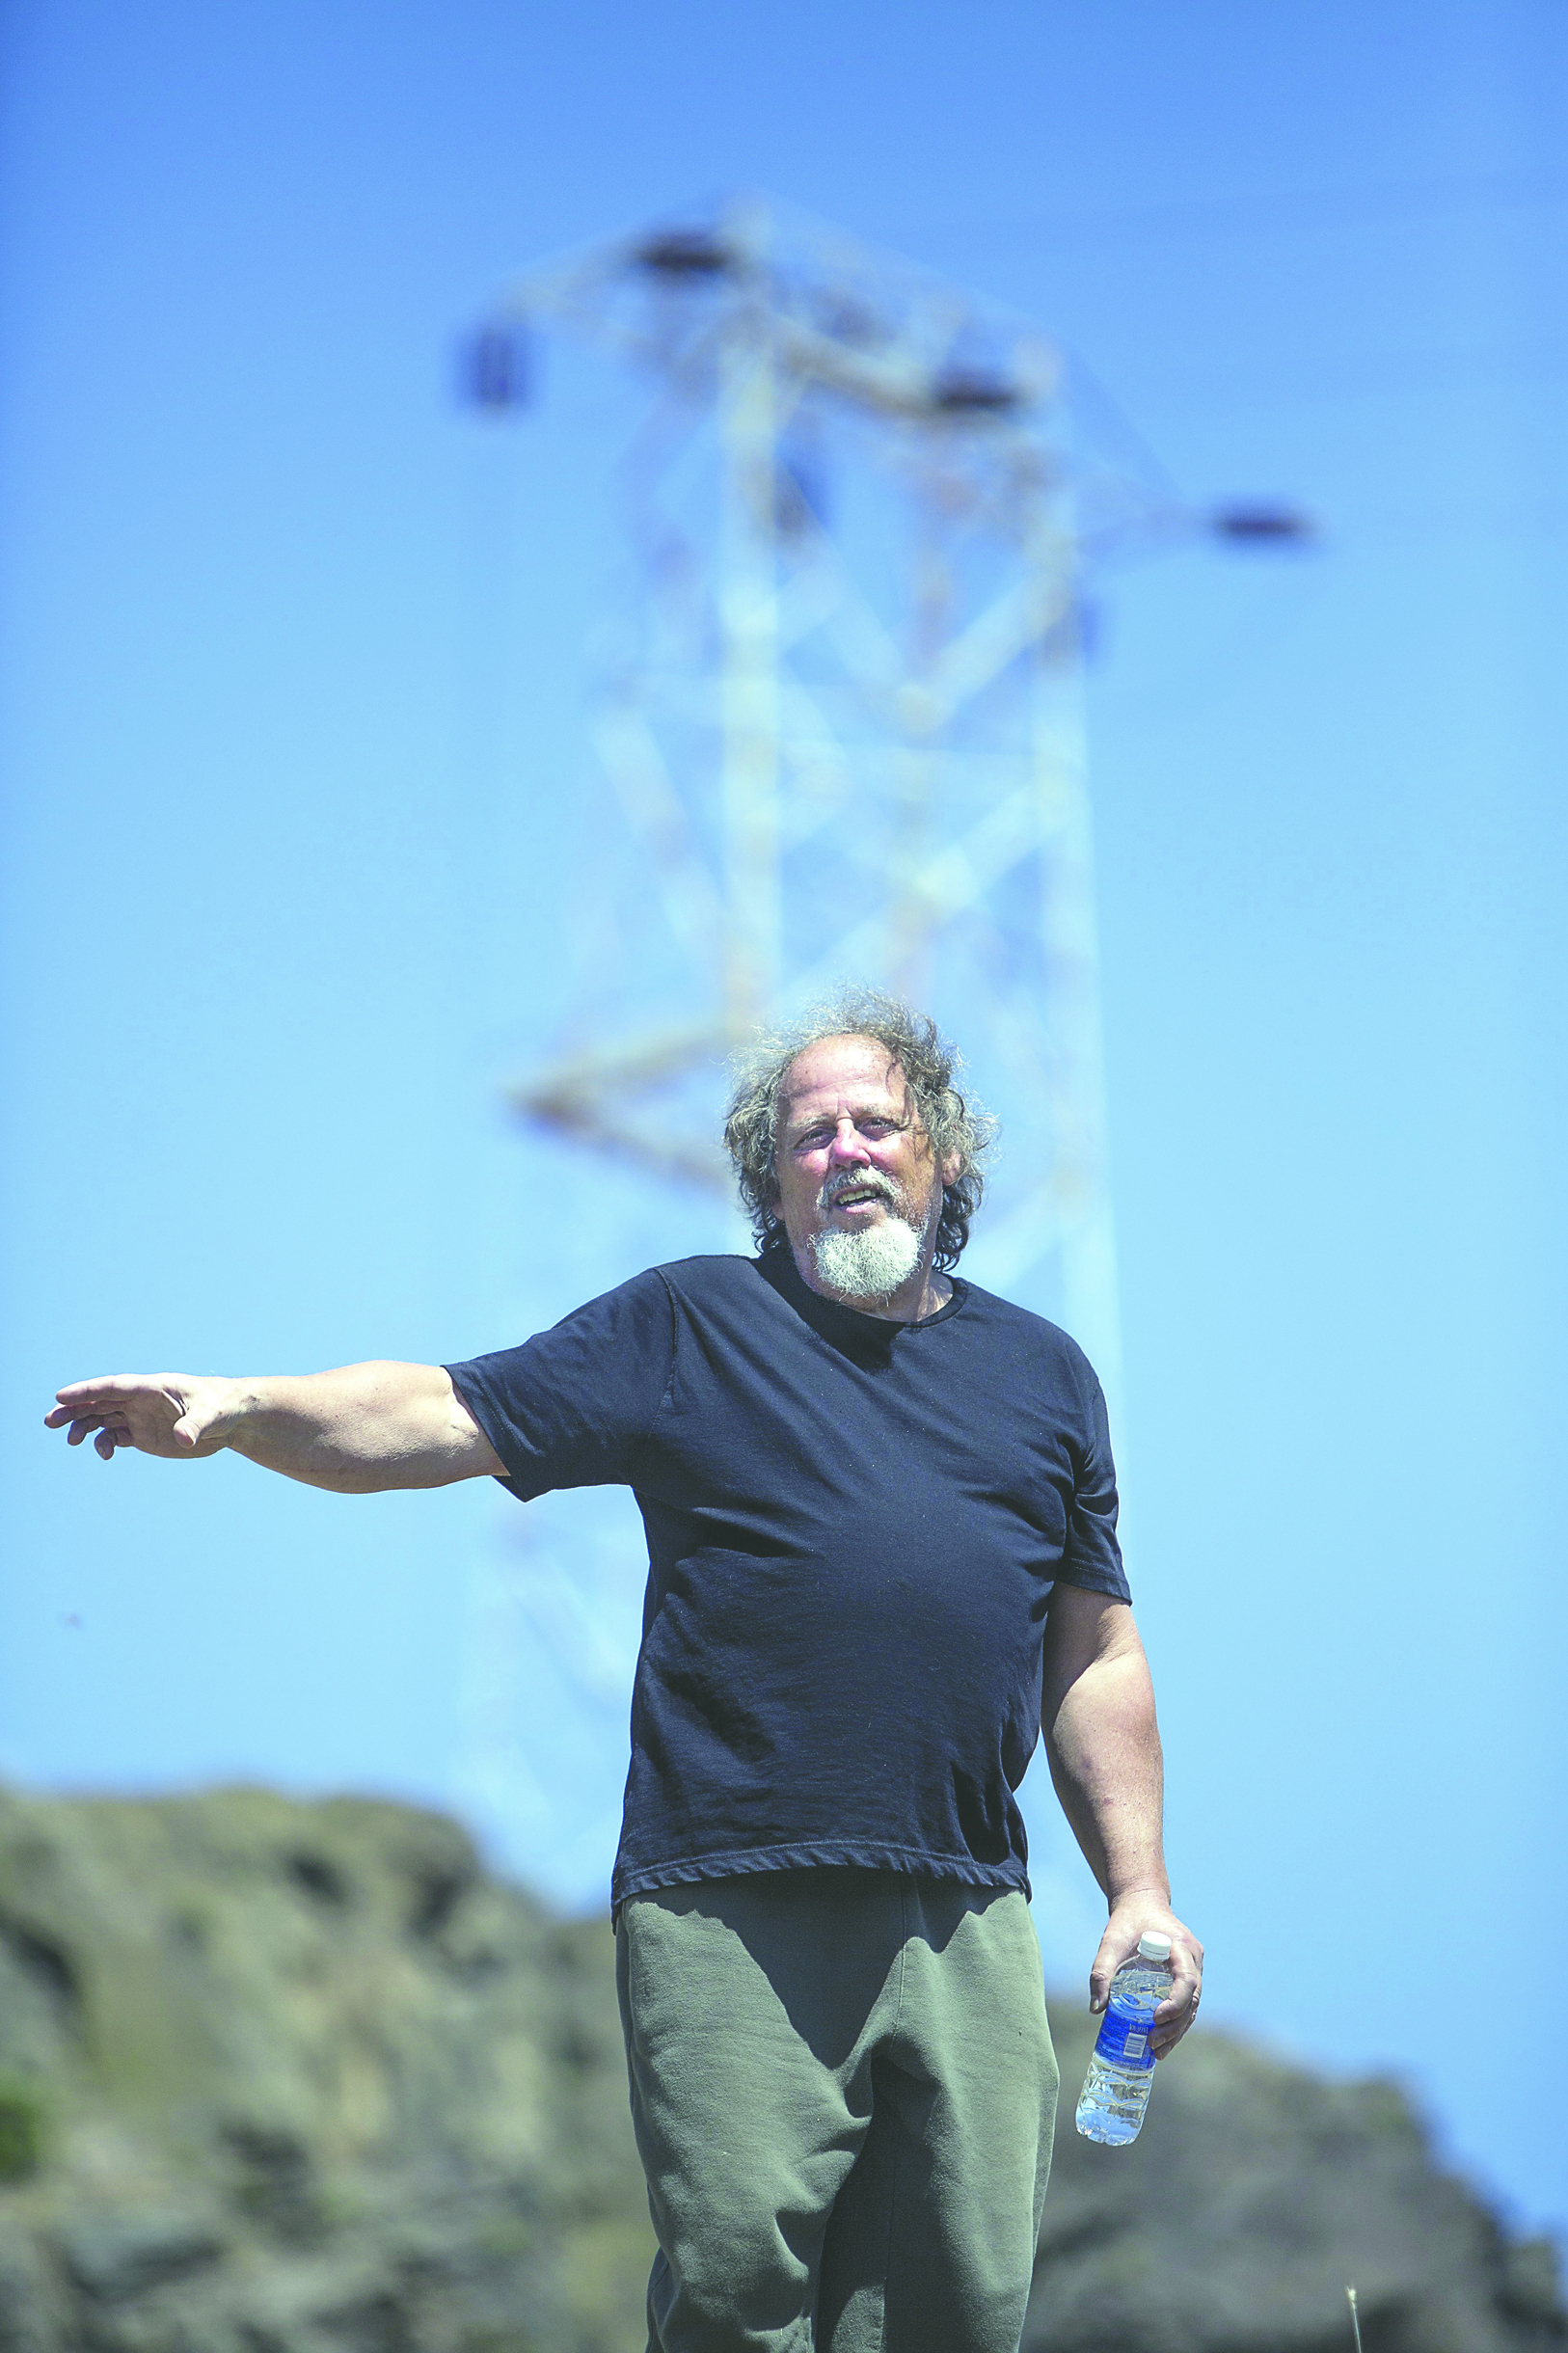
1116 2087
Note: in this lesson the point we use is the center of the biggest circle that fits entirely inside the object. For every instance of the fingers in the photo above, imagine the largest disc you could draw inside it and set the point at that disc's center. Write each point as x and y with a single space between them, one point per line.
1164 2038
1179 2008
139 1410
1170 2025
105 1389
87 1404
1186 1980
1114 1950
83 1425
110 1434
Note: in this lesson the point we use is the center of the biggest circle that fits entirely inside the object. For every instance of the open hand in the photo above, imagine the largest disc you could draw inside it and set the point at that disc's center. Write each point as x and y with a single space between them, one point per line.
172 1413
1136 1914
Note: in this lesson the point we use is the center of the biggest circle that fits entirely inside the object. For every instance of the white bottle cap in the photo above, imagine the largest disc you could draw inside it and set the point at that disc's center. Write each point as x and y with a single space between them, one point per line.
1152 1946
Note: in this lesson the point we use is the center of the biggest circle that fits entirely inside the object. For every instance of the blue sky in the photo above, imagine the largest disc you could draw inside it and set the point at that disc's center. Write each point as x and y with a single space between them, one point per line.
294 761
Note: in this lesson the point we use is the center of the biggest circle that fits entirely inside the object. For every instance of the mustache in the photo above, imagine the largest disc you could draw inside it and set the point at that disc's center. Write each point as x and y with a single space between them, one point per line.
854 1183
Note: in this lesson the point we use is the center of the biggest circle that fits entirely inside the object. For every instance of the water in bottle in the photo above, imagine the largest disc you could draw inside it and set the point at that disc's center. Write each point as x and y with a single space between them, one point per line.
1116 2087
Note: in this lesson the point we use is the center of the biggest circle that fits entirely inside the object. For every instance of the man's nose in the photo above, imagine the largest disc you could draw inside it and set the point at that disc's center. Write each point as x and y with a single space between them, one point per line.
848 1142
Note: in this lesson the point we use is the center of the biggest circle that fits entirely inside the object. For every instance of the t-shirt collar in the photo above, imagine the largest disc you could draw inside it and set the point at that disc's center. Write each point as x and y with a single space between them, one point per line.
832 1318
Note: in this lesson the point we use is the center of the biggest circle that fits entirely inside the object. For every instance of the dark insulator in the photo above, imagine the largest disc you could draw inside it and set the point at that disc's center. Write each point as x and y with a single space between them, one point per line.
964 391
1259 525
684 253
799 496
496 369
849 321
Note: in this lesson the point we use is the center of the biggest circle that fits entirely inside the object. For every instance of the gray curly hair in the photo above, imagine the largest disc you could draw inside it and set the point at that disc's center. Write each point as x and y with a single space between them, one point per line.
952 1122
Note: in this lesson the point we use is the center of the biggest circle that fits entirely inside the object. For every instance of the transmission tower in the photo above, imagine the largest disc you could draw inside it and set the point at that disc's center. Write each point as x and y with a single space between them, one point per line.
838 704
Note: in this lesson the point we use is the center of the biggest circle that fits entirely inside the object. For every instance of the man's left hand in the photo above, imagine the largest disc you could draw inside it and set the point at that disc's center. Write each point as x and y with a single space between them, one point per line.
1136 1914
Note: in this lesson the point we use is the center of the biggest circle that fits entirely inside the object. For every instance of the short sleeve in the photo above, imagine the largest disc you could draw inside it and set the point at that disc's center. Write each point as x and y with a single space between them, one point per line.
1092 1557
570 1407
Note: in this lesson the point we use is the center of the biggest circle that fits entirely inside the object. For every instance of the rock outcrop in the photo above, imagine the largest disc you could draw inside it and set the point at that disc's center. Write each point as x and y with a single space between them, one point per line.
1255 2195
301 2078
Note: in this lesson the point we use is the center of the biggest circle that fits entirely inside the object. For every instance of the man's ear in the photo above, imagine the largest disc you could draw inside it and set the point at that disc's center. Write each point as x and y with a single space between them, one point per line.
952 1164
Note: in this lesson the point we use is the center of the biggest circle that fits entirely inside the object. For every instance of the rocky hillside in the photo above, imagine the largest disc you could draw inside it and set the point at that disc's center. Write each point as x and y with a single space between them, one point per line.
289 2078
1255 2195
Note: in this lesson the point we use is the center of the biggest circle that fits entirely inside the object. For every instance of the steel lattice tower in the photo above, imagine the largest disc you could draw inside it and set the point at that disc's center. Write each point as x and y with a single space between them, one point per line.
840 706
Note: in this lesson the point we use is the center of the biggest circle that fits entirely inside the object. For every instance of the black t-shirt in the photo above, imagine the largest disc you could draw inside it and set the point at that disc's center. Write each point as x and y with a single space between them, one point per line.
854 1528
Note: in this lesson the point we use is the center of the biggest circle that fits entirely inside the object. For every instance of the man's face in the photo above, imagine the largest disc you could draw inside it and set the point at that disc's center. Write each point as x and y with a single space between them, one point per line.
850 1149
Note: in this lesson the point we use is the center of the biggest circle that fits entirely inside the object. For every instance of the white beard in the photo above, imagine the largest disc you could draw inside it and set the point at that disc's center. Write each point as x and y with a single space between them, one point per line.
872 1264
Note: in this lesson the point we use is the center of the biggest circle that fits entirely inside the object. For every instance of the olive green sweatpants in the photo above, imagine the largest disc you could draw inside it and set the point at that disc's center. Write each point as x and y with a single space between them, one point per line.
843 2094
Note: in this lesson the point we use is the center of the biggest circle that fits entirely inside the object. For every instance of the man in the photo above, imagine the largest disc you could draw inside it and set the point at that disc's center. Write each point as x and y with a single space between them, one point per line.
881 1513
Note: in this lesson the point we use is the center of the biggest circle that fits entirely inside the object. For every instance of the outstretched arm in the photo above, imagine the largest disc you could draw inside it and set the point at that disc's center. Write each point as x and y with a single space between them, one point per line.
1103 1746
356 1430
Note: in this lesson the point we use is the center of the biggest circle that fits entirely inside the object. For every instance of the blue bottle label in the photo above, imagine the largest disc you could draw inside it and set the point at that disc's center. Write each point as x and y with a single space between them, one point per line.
1124 2037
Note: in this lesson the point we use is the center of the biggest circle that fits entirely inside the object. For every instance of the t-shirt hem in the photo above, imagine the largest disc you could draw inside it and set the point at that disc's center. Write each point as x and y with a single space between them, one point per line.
493 1428
808 1854
1095 1580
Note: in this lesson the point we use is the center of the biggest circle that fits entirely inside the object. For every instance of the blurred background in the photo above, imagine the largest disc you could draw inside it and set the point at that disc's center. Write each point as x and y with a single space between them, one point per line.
304 826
